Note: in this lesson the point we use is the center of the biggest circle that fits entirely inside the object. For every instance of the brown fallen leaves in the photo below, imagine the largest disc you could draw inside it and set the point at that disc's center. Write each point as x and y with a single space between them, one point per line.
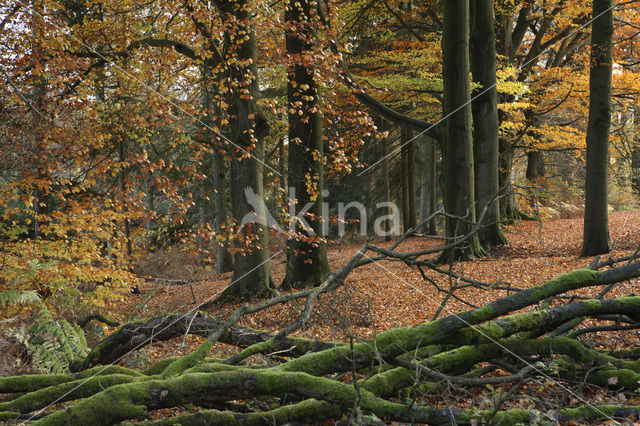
383 295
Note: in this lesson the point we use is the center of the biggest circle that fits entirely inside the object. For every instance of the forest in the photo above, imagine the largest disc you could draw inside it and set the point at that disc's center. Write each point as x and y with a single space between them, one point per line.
352 212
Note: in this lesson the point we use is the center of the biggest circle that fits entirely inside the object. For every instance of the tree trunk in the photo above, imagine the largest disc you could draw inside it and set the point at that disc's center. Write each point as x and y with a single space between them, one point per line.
458 170
596 223
149 203
433 199
224 261
411 180
635 168
404 181
307 262
283 172
508 207
386 191
535 165
485 122
427 185
512 33
252 270
122 188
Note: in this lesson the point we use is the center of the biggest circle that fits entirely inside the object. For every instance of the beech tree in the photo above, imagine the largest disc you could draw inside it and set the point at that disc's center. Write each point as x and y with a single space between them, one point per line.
307 262
224 261
485 122
458 161
596 224
252 270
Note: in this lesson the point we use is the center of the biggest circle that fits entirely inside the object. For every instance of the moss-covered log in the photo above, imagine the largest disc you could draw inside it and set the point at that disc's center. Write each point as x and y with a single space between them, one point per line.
126 401
307 412
392 343
136 335
31 382
458 350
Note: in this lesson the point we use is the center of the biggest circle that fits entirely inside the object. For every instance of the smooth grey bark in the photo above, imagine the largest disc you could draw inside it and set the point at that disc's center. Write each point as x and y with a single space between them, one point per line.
404 180
433 199
635 169
122 188
411 181
149 203
508 207
485 122
408 175
252 270
224 260
509 40
386 192
596 221
307 262
283 171
458 168
427 162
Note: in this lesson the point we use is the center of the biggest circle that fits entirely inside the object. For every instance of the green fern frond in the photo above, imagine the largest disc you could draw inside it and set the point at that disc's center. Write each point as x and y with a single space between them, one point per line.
12 297
52 343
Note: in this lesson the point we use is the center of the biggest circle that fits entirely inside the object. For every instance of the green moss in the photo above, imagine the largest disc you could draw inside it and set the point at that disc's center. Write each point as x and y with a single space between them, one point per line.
615 378
188 361
595 412
8 416
592 304
31 382
324 361
562 283
513 417
257 348
81 388
160 366
629 301
479 315
105 408
387 383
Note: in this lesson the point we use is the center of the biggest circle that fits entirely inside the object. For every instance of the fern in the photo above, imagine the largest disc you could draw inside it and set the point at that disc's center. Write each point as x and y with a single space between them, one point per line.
14 297
52 343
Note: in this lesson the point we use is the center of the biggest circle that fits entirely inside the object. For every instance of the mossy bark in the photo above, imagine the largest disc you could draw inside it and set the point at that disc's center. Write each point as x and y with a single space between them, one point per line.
309 411
136 335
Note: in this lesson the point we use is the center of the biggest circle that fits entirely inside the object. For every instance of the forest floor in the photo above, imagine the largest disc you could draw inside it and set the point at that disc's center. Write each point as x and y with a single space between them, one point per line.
384 295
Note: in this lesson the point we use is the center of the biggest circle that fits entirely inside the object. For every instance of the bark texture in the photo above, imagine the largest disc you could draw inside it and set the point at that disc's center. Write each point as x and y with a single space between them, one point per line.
596 217
458 167
485 122
252 271
307 263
